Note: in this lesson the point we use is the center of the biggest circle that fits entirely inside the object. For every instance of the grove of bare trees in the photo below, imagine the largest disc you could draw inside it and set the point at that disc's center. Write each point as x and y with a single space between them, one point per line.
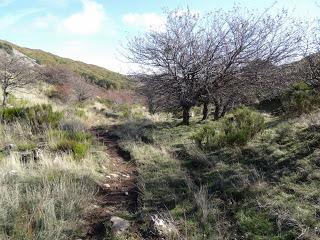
221 59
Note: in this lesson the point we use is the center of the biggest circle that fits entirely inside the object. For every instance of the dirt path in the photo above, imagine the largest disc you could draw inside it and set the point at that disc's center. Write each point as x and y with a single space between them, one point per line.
117 195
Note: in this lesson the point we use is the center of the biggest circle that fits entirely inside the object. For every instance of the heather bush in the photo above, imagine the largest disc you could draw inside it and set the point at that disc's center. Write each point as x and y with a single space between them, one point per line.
300 98
38 117
238 129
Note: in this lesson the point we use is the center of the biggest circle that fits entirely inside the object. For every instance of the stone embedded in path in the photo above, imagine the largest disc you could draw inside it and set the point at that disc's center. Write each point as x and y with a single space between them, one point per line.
119 225
107 185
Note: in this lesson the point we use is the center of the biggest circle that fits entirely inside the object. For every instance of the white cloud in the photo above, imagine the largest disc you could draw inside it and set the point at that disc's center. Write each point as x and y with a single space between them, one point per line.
87 22
150 21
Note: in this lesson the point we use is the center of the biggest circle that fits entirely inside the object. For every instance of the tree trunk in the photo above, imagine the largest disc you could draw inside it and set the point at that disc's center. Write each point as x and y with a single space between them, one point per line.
216 115
205 111
224 111
186 115
5 99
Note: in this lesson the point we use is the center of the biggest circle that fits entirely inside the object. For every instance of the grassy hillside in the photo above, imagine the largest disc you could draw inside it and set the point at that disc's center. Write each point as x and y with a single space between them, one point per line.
226 188
98 75
265 189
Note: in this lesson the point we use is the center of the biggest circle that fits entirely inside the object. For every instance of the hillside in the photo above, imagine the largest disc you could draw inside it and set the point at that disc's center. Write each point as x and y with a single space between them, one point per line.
98 75
106 170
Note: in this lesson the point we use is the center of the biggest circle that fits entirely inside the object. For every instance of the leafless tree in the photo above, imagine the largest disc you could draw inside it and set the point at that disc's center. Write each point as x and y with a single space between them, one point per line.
55 74
15 72
215 58
82 90
309 67
176 58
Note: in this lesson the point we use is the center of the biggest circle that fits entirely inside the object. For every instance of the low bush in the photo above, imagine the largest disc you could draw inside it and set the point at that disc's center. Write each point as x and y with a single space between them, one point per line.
38 117
236 129
78 149
300 98
76 142
61 92
16 102
72 126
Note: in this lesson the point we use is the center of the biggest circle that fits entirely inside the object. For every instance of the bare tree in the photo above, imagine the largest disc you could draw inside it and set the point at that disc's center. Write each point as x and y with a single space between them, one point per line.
309 67
55 74
15 72
215 58
176 58
82 90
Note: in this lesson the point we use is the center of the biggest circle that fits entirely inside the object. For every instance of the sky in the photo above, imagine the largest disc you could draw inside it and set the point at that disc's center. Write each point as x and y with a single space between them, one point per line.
96 31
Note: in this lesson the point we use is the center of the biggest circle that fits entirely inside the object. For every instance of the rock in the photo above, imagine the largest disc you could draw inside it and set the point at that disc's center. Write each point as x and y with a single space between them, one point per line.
125 175
126 193
36 155
10 147
163 225
27 157
13 172
107 185
114 175
119 225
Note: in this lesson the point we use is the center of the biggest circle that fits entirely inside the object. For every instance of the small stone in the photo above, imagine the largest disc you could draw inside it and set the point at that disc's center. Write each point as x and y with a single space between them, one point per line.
126 193
114 175
119 225
106 185
13 172
10 147
108 176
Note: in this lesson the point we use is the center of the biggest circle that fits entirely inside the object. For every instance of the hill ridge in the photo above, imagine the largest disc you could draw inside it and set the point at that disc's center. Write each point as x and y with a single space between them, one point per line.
96 74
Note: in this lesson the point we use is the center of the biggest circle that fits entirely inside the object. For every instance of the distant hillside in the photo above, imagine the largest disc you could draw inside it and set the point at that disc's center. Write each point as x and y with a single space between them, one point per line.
98 75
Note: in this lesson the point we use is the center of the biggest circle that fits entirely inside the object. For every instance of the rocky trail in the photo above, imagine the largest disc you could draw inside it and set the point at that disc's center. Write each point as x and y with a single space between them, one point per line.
118 195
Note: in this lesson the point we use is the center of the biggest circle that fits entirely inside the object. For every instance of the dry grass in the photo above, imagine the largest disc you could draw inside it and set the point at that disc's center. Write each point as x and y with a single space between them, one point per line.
44 200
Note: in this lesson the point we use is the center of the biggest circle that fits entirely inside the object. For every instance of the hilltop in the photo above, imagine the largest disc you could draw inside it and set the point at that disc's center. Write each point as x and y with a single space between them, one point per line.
95 74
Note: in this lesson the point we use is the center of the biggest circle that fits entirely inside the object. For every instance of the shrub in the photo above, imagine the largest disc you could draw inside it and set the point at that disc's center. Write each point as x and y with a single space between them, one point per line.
300 98
61 92
236 129
72 126
76 142
16 102
38 117
78 149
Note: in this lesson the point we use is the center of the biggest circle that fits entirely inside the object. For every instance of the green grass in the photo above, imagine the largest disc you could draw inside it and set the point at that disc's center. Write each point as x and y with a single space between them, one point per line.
266 189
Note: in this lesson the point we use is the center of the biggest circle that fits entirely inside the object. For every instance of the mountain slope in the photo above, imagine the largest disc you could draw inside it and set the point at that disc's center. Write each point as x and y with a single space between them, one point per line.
98 75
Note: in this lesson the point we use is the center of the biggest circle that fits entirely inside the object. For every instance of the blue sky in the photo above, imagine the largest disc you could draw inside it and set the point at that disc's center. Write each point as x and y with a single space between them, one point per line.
94 30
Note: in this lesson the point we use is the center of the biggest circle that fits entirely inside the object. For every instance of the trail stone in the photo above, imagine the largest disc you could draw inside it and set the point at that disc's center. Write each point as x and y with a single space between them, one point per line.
10 147
107 185
119 225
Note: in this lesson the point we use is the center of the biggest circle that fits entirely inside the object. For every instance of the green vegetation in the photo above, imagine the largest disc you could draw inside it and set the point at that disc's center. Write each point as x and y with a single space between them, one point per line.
300 98
76 142
38 116
49 169
245 185
240 127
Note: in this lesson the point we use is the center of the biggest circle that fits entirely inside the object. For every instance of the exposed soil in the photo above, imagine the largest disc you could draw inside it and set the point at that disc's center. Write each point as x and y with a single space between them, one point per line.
118 194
